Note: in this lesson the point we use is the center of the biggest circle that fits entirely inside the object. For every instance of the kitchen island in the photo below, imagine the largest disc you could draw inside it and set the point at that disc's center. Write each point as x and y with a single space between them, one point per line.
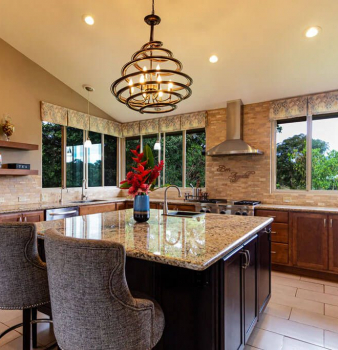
210 274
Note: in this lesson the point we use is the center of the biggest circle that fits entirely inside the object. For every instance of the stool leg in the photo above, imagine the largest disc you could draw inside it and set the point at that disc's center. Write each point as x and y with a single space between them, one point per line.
27 313
34 328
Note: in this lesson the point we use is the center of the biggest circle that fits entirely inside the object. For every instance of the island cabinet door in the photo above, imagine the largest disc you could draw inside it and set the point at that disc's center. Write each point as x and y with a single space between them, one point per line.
232 308
310 240
333 243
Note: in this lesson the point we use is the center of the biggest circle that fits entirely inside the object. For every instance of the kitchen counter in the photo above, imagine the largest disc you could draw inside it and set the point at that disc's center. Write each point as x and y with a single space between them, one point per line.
330 210
192 243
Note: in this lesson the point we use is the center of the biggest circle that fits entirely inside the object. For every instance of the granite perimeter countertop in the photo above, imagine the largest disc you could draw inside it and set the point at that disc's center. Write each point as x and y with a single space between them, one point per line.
299 208
193 243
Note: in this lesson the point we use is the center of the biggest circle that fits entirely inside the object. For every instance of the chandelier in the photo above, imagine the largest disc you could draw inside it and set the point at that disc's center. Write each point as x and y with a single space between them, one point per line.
153 81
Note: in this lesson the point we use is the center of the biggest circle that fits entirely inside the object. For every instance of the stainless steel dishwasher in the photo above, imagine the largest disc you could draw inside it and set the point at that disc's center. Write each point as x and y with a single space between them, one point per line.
61 213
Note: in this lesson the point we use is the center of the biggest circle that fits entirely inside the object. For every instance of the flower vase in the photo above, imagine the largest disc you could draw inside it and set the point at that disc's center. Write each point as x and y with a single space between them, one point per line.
141 208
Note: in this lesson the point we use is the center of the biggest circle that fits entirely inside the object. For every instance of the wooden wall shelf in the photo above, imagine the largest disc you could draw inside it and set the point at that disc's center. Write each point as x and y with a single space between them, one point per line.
18 145
17 172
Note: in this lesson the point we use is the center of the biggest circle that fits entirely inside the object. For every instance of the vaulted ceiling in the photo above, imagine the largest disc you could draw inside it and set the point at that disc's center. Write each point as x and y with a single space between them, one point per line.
263 52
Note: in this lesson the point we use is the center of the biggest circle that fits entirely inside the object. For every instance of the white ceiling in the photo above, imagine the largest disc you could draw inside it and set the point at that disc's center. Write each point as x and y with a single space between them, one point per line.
263 53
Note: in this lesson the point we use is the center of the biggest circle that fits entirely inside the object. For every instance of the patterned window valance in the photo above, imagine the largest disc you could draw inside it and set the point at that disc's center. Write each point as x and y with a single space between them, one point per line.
98 125
149 126
131 129
290 108
53 114
114 129
78 120
193 120
168 124
323 103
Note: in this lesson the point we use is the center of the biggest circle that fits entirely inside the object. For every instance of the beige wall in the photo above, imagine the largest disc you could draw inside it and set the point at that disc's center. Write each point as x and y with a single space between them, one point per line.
23 84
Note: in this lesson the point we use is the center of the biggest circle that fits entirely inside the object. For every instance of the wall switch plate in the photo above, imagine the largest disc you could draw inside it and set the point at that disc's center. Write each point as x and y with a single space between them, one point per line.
287 199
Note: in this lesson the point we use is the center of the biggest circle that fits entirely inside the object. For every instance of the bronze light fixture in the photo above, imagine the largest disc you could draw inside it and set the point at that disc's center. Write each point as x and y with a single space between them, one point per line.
153 81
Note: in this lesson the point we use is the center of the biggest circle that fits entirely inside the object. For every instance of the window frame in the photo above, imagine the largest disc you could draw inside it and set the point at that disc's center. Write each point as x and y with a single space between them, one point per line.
273 162
85 161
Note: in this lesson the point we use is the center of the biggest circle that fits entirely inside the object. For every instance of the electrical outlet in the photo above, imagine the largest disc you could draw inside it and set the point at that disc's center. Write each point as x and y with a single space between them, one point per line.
287 199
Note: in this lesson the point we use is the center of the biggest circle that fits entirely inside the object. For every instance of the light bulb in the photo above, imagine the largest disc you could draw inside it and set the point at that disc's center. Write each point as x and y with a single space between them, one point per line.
213 59
159 79
130 82
170 85
160 94
144 95
144 69
158 67
88 19
132 90
313 31
142 79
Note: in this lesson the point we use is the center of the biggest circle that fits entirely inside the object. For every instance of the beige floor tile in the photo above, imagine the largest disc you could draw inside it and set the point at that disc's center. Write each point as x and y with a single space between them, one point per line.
292 329
319 297
7 315
16 344
315 280
8 337
293 344
316 287
285 275
331 310
331 290
278 310
265 340
291 301
315 320
285 290
331 340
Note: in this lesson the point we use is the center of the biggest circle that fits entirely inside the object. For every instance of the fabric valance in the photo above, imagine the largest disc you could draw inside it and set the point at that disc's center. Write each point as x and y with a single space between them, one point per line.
323 103
289 108
131 129
193 120
114 129
168 124
53 114
149 126
78 120
98 125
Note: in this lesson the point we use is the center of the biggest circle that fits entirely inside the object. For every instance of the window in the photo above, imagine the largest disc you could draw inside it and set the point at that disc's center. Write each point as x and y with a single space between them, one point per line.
150 140
51 155
173 158
95 160
195 157
110 160
131 143
307 159
74 157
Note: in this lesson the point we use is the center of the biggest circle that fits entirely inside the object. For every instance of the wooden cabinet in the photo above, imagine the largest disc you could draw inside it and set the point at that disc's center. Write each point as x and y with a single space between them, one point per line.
120 206
97 208
310 240
279 253
30 216
333 243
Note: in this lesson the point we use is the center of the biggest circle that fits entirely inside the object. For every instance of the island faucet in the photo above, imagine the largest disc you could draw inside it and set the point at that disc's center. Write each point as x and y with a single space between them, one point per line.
84 186
165 206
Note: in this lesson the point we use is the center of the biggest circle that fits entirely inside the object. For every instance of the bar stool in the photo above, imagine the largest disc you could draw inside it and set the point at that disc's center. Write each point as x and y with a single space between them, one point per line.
93 308
23 276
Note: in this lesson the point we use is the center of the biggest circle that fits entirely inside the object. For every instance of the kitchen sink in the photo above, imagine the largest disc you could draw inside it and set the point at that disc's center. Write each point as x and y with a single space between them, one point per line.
185 214
89 201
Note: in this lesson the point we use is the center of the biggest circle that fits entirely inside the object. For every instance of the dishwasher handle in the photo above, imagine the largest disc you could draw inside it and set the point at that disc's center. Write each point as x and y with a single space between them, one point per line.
64 213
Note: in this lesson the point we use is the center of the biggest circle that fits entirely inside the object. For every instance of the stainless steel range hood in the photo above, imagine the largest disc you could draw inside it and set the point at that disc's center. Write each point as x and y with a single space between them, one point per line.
234 145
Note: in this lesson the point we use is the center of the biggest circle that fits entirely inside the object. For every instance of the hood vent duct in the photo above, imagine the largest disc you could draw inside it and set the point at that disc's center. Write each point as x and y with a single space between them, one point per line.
234 144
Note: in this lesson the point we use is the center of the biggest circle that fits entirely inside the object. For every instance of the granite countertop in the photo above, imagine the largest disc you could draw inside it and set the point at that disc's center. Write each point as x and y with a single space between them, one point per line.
330 210
193 243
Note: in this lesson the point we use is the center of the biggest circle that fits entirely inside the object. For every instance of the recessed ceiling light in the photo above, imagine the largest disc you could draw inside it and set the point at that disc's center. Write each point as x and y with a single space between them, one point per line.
88 19
312 31
213 59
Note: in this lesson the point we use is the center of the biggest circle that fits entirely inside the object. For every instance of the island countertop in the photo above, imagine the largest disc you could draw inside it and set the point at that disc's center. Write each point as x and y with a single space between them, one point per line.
193 243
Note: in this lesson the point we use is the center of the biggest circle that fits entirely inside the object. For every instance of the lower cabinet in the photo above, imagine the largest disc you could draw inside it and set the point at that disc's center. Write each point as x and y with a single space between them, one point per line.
333 243
30 216
97 208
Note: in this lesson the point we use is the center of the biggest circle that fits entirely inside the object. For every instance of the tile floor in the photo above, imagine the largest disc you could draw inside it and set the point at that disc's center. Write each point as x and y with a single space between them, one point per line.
302 315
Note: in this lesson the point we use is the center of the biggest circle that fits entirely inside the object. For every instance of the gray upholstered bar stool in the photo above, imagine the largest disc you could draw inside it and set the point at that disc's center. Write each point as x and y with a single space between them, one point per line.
93 308
23 277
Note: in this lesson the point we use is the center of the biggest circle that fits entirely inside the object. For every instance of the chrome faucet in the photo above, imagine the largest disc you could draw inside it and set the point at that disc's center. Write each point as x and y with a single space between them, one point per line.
61 197
84 186
165 206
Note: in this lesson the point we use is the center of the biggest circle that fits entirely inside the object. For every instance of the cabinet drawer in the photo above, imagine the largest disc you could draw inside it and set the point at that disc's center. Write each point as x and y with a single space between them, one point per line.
97 208
279 253
120 206
278 216
153 206
280 233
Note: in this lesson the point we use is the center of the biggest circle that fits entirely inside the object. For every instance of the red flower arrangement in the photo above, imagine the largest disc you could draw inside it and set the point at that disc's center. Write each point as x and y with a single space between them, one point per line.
143 178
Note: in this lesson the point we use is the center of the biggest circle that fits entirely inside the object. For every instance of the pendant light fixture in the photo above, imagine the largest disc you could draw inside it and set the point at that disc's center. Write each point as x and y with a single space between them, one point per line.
153 81
157 145
88 142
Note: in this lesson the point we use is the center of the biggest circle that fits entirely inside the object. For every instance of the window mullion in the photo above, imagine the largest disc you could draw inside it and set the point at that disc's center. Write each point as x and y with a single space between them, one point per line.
63 156
184 163
163 172
102 160
85 163
273 156
309 153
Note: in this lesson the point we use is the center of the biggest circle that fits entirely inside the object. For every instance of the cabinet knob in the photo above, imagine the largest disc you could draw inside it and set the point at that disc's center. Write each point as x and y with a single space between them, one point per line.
273 252
324 222
330 222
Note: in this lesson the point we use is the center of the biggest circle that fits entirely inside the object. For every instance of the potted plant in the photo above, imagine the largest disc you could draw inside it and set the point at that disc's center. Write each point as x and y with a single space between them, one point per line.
142 180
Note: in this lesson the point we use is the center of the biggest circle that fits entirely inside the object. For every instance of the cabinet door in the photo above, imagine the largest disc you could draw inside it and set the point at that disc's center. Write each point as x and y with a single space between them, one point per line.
97 208
232 335
33 216
333 243
250 287
310 241
17 217
264 269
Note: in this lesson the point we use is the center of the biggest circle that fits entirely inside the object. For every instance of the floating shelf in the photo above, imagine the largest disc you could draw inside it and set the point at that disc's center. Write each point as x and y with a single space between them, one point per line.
18 172
18 145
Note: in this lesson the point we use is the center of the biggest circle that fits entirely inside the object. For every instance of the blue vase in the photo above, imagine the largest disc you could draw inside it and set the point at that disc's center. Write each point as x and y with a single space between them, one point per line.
141 208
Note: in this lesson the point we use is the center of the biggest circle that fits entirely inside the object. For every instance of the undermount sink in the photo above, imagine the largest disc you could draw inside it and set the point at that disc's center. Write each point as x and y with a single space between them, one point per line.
186 214
89 201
